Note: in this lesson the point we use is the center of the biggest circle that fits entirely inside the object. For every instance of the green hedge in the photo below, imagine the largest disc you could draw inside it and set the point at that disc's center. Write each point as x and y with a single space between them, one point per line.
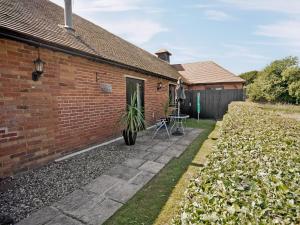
253 175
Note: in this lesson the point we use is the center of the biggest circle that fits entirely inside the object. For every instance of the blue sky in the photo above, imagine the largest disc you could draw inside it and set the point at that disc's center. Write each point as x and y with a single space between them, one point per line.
240 35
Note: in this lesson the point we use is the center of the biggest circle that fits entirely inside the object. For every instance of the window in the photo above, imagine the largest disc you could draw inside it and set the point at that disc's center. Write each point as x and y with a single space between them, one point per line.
172 88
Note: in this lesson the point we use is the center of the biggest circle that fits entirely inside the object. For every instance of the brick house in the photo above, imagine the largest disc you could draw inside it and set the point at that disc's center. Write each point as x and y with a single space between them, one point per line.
77 101
88 76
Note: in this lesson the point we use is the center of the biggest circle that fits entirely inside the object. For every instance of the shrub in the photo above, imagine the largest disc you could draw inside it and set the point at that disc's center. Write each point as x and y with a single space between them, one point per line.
253 174
249 77
277 82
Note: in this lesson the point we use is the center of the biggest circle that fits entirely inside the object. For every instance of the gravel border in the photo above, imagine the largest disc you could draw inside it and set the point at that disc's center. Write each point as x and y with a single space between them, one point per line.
27 192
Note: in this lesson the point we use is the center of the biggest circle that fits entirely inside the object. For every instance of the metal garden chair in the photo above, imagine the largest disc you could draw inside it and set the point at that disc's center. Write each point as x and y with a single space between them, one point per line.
161 124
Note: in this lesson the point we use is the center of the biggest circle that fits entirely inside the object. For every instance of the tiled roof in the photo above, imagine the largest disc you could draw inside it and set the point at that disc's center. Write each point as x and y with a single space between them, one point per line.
41 19
206 72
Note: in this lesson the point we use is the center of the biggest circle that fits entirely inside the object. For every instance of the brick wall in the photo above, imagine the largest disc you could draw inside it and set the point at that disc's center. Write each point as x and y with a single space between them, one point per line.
65 110
224 85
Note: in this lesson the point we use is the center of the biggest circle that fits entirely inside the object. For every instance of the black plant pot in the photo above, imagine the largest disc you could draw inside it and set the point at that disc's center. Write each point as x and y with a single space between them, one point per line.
129 137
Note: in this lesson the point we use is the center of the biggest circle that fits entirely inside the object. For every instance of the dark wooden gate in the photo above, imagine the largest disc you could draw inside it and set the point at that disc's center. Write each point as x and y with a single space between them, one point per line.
213 103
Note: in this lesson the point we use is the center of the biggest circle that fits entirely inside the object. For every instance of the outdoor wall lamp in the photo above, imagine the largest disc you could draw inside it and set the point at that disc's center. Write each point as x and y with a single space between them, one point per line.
39 67
159 86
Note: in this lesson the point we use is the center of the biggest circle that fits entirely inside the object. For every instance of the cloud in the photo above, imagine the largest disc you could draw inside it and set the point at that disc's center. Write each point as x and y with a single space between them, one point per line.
243 53
137 31
204 6
286 31
217 15
103 5
110 5
283 6
134 28
184 54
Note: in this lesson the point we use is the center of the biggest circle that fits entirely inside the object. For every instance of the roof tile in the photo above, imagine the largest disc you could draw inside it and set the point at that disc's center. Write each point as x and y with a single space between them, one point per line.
41 19
205 73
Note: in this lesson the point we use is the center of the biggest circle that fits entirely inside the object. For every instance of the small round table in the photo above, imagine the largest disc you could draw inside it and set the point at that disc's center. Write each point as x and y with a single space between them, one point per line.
178 124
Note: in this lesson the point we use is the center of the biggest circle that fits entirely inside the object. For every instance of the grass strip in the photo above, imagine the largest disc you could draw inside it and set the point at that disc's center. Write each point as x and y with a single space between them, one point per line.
172 207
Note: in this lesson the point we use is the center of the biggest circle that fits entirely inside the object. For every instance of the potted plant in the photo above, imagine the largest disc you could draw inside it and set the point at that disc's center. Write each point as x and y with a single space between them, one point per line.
133 121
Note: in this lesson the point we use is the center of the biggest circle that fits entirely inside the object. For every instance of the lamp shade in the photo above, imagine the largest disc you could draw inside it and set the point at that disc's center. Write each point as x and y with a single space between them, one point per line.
39 65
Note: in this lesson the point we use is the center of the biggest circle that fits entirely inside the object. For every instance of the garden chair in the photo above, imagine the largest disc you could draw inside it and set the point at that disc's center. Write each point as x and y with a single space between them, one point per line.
161 124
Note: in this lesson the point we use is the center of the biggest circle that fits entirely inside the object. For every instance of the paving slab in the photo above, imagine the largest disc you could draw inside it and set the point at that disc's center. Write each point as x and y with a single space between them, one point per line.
164 144
74 200
102 184
64 220
133 162
97 212
41 217
147 140
172 152
94 203
122 192
178 147
188 129
164 159
185 141
141 154
152 156
157 149
152 167
142 178
141 147
196 131
122 172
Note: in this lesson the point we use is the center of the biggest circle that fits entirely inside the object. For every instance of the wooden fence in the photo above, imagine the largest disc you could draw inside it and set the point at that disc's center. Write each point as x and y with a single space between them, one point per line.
213 103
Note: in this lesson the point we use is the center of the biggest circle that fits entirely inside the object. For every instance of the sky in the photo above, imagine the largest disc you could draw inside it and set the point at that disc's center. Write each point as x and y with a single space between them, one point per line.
240 35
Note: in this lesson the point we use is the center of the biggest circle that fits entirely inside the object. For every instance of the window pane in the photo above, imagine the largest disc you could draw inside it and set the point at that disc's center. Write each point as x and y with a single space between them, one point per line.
172 94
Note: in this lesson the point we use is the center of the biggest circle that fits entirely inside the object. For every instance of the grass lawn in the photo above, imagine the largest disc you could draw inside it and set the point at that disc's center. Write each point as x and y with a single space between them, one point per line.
147 204
285 108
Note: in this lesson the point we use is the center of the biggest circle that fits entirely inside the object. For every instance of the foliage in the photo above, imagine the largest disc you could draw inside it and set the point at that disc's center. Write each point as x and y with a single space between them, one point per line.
249 77
252 176
278 82
133 117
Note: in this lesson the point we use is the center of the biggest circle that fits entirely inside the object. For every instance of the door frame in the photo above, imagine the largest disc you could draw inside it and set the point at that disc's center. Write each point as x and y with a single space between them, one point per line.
134 77
144 83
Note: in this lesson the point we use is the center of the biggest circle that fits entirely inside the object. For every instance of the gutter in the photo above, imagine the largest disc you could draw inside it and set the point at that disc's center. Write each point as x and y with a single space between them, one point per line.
226 82
37 42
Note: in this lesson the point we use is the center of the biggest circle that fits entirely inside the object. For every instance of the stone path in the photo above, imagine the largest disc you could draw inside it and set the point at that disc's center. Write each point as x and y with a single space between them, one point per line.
94 203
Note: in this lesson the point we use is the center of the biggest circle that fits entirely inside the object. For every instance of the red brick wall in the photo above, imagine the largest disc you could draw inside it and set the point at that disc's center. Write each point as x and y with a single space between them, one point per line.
65 110
224 85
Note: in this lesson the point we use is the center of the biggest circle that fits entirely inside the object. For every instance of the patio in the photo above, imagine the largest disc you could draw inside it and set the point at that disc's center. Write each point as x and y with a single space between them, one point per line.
95 184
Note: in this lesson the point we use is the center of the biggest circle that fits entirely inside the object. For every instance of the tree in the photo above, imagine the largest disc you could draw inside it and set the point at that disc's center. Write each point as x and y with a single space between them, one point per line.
249 77
278 82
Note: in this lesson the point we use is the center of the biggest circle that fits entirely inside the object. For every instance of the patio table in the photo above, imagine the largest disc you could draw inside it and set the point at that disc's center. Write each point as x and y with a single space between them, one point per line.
178 123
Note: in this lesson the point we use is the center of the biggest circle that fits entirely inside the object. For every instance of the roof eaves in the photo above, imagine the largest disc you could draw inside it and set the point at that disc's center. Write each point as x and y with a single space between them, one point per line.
217 82
17 36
